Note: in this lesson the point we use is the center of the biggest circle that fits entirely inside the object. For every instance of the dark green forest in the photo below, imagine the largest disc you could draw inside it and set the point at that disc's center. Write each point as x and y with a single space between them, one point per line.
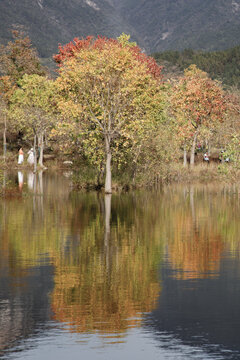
220 65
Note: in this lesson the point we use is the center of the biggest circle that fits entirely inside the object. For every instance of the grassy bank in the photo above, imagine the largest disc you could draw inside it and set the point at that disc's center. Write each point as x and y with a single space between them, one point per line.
87 178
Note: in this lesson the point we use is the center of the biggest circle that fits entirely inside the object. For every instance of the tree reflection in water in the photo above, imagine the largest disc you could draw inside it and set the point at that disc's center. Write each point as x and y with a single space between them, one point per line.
205 224
106 251
107 282
196 246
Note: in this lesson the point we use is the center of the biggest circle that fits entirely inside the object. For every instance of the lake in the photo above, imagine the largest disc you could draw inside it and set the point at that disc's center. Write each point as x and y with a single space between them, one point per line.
144 274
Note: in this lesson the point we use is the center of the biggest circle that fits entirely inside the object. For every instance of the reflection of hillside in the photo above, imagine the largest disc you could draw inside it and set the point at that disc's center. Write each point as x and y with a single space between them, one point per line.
24 305
11 323
200 313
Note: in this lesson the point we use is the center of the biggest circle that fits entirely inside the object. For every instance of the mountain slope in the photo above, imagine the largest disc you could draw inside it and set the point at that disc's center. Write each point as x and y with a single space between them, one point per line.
50 22
156 25
179 24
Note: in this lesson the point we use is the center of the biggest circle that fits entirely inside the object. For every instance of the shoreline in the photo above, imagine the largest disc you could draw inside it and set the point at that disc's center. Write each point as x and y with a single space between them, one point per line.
173 174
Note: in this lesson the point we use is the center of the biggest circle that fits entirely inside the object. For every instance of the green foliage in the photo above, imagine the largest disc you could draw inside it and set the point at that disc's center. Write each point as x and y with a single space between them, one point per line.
35 90
221 65
124 40
32 105
233 151
223 169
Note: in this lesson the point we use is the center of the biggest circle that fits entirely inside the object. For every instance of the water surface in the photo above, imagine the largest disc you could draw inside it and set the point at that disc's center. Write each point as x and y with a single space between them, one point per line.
146 274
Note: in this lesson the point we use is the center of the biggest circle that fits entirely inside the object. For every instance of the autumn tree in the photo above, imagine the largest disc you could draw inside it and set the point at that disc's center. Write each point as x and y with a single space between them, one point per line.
7 88
229 131
109 88
17 58
199 103
32 107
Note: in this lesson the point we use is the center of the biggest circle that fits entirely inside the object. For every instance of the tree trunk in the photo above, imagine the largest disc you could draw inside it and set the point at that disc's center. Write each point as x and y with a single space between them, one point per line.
34 152
184 156
108 178
41 146
107 227
4 139
192 157
107 217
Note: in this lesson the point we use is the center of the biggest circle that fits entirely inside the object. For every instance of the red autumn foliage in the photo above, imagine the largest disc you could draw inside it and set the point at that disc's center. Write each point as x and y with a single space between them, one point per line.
69 50
7 88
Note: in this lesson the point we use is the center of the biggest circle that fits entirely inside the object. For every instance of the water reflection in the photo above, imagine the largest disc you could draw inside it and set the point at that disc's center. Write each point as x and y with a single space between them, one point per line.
202 314
30 180
20 180
23 303
108 265
103 280
197 243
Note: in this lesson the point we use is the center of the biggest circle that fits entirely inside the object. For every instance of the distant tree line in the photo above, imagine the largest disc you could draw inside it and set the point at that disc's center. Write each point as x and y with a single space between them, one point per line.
220 65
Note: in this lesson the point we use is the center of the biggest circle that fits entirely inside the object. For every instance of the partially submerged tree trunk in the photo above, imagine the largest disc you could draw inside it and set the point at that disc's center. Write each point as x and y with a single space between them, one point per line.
107 217
41 147
35 153
107 226
108 179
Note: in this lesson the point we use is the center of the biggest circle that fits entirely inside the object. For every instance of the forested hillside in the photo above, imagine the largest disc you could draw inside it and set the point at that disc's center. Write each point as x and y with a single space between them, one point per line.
181 24
50 22
220 65
156 25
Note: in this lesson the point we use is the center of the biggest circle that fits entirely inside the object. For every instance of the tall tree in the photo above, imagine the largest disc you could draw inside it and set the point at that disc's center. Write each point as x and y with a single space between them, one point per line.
198 102
17 58
32 107
7 88
109 87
